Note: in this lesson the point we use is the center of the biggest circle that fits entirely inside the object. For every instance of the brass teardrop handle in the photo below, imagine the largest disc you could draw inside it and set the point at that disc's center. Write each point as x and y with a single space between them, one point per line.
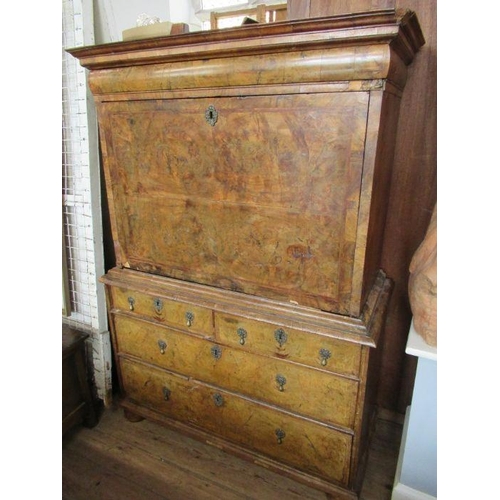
281 381
242 334
189 318
131 302
163 346
280 434
166 393
325 355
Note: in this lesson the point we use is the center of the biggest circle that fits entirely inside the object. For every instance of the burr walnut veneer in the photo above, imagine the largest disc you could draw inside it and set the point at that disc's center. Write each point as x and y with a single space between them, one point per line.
248 173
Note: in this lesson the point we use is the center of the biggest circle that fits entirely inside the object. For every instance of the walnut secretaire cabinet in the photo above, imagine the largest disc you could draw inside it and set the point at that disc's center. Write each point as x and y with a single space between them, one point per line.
248 175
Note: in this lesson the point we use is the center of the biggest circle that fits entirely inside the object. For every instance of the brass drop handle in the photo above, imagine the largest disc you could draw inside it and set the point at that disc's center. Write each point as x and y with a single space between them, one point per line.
242 334
189 318
281 381
166 393
163 346
280 434
325 355
131 303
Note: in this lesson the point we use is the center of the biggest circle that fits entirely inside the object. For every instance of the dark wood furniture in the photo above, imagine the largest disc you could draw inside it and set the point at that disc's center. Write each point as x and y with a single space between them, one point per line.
248 174
77 403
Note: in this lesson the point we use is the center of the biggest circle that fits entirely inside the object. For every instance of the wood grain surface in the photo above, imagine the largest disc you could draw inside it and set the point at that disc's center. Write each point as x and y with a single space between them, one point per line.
301 346
156 361
413 184
317 245
277 221
309 446
220 180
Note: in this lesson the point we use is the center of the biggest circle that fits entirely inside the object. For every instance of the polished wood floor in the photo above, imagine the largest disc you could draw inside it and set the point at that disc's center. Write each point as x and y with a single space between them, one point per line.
120 460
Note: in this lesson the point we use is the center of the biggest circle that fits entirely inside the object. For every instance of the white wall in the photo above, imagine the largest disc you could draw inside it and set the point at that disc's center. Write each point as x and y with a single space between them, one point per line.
419 467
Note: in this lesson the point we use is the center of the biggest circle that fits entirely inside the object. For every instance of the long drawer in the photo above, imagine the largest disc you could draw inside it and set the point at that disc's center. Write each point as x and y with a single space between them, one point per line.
309 392
310 446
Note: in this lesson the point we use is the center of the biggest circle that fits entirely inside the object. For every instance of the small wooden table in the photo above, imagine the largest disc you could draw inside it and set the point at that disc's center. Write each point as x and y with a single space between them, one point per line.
77 403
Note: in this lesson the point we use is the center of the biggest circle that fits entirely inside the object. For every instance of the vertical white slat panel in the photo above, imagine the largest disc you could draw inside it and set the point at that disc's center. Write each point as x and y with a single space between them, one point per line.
81 206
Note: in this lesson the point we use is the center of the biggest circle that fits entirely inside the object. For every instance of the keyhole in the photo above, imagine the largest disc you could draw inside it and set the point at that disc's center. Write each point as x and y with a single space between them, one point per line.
211 115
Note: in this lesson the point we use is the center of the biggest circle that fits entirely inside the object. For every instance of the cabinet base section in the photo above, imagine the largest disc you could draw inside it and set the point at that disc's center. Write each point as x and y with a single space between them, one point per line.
335 492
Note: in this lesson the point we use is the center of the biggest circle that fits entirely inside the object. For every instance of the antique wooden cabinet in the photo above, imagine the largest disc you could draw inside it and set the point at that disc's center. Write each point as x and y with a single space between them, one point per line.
248 176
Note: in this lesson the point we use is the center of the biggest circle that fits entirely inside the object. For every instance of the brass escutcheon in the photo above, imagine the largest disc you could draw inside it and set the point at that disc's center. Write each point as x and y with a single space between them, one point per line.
218 399
216 351
280 336
211 115
158 305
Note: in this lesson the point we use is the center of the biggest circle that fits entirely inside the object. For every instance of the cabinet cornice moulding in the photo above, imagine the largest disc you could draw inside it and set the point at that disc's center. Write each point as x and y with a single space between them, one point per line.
330 49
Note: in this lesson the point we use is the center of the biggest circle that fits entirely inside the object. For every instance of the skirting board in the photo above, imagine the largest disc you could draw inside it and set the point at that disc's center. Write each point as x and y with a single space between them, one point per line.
402 491
100 363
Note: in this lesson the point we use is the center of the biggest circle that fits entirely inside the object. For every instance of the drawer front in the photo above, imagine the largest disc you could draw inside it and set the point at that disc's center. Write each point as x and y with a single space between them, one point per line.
297 388
178 314
286 343
306 445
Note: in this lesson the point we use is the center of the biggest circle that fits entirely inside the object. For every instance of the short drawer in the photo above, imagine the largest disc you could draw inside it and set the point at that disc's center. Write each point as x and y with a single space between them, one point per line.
307 445
270 339
297 388
179 314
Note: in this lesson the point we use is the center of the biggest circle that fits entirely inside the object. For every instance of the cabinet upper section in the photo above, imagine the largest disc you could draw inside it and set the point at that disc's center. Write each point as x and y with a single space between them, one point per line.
255 159
365 46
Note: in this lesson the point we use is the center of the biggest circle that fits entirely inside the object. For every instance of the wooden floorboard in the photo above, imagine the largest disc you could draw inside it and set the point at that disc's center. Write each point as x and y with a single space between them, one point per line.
121 460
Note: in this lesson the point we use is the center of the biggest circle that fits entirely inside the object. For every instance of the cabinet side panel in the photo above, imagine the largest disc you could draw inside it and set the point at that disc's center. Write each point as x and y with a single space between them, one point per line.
375 191
381 189
369 383
111 216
